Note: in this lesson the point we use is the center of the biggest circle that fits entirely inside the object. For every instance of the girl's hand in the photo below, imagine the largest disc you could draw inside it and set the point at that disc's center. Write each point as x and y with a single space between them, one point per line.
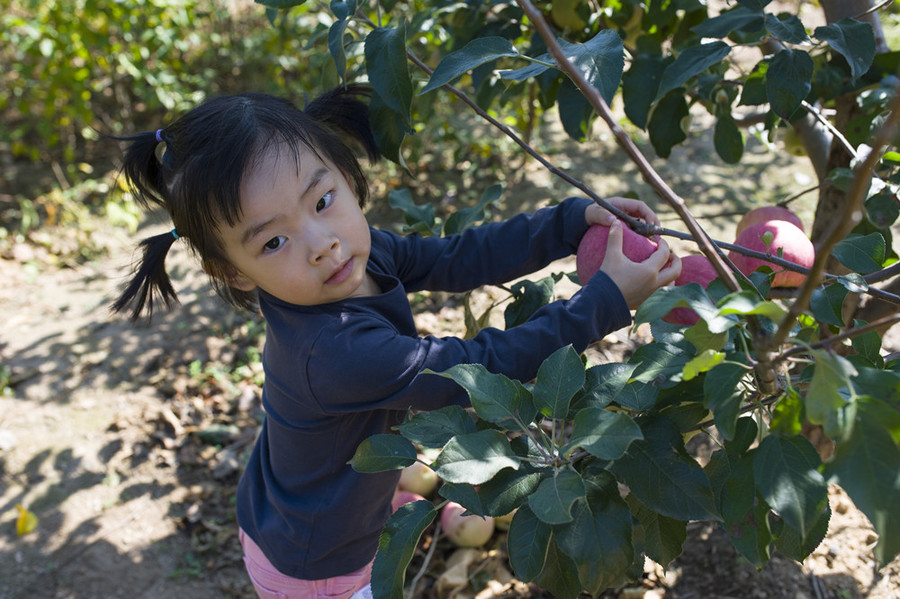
638 280
597 215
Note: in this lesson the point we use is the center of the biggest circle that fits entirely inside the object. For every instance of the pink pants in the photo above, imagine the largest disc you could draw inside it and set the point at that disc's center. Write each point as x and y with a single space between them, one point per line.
272 584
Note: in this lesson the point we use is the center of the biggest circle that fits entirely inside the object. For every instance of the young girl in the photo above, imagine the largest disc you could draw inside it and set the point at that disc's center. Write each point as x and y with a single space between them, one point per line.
271 199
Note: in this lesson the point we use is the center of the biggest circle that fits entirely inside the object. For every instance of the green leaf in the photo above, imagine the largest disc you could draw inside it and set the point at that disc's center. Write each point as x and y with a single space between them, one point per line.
663 537
753 92
691 295
560 574
827 303
396 547
559 377
602 433
476 53
721 26
743 512
665 479
691 62
388 69
418 218
336 46
728 140
638 396
389 128
659 362
665 124
464 218
852 39
604 382
639 85
789 30
792 544
598 537
747 303
861 253
463 494
600 61
786 470
868 345
867 467
434 428
475 458
508 490
701 363
529 297
495 397
553 499
527 543
281 4
788 81
824 396
575 112
383 452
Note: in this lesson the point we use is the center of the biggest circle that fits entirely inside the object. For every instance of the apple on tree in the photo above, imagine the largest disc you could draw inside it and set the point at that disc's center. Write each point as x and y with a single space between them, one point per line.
793 244
402 497
418 478
465 530
766 213
592 249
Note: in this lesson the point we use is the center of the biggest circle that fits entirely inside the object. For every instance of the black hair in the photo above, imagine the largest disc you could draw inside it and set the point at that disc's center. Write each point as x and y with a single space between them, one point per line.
194 167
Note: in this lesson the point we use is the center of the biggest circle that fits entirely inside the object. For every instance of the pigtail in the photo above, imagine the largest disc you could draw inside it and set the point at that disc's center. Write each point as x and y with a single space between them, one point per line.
342 110
145 165
149 278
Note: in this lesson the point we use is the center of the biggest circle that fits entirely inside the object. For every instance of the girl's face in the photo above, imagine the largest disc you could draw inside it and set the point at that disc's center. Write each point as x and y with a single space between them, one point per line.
303 236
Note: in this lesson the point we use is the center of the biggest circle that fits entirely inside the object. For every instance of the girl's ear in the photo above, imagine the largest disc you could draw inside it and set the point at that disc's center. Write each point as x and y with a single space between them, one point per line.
230 276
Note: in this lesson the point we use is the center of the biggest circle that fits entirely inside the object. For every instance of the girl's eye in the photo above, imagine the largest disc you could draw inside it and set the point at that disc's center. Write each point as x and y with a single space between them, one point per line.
325 201
274 243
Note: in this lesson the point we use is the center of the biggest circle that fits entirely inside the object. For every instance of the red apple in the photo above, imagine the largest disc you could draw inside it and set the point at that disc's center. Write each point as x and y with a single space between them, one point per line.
765 214
402 497
418 478
695 268
465 531
792 241
592 249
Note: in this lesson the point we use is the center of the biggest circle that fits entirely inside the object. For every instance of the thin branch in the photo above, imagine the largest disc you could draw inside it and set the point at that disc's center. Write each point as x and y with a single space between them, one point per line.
875 8
875 324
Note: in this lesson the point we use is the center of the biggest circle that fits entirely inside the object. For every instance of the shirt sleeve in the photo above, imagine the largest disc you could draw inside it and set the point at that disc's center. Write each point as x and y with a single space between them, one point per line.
489 254
388 368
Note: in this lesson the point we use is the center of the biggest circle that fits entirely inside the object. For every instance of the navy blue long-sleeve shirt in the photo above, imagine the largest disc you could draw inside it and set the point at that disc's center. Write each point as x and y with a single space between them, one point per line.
339 373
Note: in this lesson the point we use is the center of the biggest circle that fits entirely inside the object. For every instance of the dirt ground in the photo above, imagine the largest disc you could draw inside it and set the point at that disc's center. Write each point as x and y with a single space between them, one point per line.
125 441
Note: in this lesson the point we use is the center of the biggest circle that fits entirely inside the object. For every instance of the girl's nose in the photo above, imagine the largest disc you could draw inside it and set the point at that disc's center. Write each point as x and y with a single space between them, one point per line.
322 247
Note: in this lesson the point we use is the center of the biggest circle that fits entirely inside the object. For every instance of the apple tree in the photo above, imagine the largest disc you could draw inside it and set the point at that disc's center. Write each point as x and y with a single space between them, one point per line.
591 457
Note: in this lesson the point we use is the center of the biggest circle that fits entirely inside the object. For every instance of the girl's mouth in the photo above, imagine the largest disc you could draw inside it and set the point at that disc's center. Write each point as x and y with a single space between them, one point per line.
341 274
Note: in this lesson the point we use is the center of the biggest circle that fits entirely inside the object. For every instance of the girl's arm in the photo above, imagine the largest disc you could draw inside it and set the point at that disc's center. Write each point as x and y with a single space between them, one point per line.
490 254
364 364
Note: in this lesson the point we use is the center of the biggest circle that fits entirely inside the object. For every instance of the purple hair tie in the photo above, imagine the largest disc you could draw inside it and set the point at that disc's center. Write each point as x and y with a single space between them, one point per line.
159 135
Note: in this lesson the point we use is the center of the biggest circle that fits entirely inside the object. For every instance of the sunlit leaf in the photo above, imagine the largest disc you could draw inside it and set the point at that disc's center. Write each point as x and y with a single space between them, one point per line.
26 521
861 253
